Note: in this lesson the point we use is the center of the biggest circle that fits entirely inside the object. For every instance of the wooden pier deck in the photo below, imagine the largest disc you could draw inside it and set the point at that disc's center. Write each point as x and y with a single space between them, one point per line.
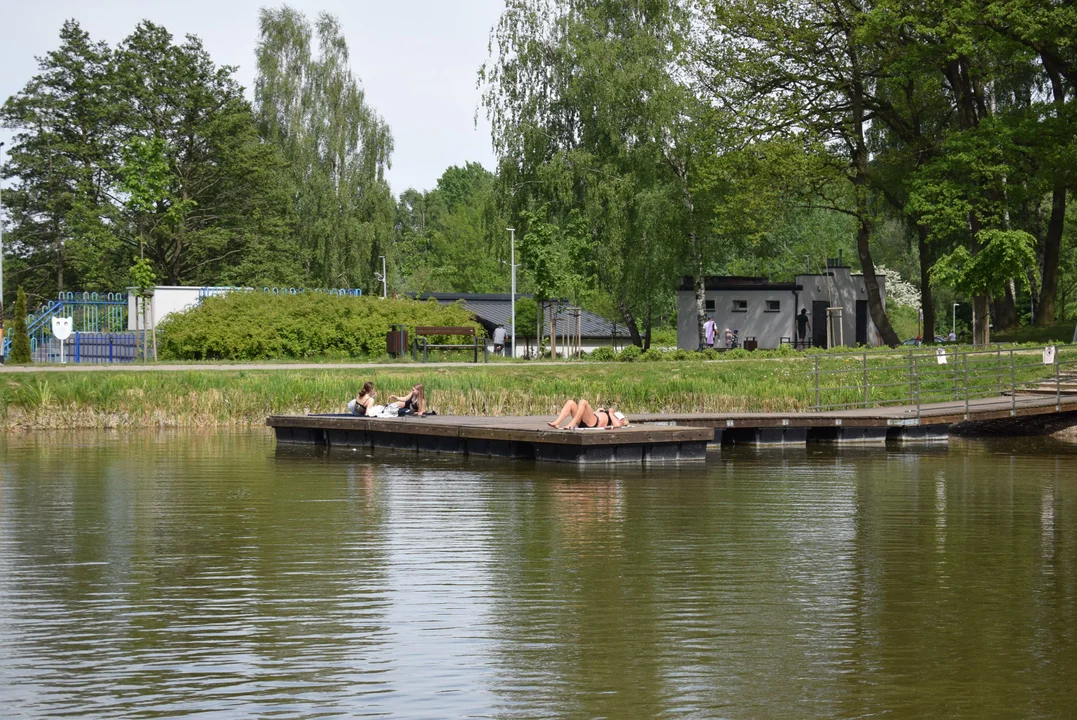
663 437
527 438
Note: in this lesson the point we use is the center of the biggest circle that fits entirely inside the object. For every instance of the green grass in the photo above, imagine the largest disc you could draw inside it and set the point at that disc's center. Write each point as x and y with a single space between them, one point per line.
1059 332
137 398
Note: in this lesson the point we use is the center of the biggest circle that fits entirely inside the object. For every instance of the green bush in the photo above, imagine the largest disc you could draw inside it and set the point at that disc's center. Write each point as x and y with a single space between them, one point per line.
654 355
264 326
603 354
20 340
629 354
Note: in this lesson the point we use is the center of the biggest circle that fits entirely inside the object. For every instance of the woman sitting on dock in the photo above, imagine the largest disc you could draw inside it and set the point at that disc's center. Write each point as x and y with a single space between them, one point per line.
364 401
582 415
414 400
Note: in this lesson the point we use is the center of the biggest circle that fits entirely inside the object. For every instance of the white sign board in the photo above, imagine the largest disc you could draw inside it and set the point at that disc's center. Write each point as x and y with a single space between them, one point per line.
61 329
1049 355
940 355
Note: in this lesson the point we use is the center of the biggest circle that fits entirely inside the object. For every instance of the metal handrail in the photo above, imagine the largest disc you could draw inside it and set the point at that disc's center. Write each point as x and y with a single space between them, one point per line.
962 377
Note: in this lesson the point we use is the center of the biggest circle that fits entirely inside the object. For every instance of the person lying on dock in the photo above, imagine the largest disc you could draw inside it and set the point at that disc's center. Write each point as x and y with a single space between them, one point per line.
364 401
415 401
580 414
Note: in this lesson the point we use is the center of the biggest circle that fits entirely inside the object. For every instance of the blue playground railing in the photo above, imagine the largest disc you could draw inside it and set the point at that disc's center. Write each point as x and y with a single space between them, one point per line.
104 313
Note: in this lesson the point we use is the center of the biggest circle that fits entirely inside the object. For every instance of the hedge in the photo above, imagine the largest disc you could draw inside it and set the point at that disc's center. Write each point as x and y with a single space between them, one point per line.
265 326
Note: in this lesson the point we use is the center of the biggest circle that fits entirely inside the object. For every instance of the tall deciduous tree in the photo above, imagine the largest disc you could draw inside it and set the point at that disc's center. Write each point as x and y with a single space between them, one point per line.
61 161
310 104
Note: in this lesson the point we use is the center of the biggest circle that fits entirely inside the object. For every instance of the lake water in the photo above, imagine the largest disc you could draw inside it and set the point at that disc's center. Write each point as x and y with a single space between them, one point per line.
207 575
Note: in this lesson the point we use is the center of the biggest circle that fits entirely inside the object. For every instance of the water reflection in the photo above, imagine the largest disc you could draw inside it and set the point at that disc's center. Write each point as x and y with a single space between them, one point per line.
151 575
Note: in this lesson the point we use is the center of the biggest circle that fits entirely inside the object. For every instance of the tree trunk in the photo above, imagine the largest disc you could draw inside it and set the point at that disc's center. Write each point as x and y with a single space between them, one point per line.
871 283
1006 309
1052 245
927 299
1045 313
699 284
981 320
647 329
630 323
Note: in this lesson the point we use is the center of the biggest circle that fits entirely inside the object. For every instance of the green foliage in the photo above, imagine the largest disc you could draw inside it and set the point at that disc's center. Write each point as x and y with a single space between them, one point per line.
146 147
143 279
905 322
602 354
20 339
336 148
1002 255
266 326
632 353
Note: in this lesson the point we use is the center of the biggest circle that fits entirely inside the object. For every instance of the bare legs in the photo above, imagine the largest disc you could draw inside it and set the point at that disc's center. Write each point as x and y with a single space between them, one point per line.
567 411
580 412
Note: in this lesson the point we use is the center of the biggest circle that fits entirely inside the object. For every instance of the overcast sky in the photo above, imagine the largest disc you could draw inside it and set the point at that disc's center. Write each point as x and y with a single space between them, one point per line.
417 60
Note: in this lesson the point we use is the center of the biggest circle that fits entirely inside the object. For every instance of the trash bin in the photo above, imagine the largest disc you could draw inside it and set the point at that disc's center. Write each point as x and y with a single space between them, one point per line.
750 343
396 341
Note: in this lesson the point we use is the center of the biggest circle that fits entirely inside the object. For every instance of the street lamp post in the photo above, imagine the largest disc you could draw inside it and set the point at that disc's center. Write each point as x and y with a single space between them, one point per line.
2 360
953 327
384 290
512 264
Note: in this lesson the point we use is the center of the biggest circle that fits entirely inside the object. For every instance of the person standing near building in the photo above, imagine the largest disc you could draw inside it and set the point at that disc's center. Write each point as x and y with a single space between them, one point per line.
710 329
803 324
499 340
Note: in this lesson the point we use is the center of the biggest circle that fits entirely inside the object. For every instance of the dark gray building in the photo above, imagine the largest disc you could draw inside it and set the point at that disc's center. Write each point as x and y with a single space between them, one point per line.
491 310
837 304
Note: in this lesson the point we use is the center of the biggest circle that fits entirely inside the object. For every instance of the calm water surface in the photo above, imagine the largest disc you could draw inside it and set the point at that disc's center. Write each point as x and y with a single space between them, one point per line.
208 575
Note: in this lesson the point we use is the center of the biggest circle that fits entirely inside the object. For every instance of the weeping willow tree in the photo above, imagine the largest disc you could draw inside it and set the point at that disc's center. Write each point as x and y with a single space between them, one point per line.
310 104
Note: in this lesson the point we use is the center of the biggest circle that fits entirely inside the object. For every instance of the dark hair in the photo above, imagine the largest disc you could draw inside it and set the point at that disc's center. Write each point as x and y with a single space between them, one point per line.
367 387
804 311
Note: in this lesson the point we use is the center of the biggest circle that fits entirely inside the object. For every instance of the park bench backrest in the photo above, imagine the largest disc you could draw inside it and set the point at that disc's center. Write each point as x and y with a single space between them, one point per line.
434 330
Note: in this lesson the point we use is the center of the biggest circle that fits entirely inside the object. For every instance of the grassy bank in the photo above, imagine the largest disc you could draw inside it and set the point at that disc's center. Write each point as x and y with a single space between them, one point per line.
194 398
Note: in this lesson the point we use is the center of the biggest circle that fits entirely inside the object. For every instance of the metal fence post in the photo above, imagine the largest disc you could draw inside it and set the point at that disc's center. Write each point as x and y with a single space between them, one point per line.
1013 387
1058 385
965 364
424 350
916 374
817 382
912 392
865 379
998 368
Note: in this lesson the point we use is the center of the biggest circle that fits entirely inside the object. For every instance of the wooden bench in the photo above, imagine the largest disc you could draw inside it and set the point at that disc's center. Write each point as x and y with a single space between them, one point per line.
433 330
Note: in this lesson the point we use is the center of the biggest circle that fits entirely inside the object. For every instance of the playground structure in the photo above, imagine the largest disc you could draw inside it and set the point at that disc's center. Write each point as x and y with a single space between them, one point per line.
109 327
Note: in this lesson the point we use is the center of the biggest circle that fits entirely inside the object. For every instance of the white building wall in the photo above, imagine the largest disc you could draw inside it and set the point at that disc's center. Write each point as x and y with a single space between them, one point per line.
166 300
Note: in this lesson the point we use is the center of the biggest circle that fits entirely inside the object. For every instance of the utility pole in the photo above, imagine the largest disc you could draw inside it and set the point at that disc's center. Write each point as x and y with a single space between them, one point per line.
2 359
512 264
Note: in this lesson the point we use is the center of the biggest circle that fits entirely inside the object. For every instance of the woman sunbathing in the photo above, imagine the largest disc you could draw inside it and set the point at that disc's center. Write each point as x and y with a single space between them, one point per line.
581 415
364 401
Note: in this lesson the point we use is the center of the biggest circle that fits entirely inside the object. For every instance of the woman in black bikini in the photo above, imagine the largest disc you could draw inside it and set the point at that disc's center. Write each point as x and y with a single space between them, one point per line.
582 415
364 400
414 400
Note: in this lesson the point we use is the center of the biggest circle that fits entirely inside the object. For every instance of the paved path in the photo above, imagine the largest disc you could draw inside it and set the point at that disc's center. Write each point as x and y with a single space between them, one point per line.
228 367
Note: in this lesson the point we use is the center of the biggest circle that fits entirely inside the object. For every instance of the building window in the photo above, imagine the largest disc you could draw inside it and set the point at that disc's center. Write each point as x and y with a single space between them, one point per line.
740 306
774 305
710 306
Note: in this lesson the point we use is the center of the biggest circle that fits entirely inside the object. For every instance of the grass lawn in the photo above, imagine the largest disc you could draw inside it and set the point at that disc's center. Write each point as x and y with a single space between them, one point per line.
1060 333
138 398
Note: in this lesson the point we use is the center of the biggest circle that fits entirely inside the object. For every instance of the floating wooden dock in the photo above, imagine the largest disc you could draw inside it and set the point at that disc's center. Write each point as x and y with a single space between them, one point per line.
525 438
674 436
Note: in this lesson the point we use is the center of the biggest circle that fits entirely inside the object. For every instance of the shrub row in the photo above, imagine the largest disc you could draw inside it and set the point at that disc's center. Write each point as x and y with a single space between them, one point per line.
263 326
